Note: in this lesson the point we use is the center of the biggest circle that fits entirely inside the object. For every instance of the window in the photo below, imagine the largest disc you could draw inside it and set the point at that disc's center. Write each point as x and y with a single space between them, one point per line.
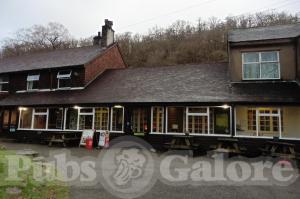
4 83
71 118
101 118
262 121
55 120
32 82
86 118
25 118
6 119
261 65
64 79
197 120
175 119
40 118
139 120
157 115
117 119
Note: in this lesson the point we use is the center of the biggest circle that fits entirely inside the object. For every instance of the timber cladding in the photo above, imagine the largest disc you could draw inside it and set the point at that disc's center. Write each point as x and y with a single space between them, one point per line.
110 59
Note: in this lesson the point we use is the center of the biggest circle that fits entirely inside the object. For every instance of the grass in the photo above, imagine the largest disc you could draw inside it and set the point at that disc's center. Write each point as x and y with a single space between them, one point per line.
31 189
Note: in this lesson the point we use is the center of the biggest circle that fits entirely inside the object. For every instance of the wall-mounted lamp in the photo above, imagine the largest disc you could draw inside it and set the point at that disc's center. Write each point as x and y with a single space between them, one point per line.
76 107
118 106
22 109
225 106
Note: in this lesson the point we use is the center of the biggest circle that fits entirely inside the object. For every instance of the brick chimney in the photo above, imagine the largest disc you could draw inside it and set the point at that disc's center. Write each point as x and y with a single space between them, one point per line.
108 34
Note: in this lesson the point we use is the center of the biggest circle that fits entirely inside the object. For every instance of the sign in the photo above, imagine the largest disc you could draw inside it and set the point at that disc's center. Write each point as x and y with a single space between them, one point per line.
104 139
86 134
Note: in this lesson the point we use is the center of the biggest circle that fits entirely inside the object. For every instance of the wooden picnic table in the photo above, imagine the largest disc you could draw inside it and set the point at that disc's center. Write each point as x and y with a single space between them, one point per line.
280 149
184 142
227 145
63 137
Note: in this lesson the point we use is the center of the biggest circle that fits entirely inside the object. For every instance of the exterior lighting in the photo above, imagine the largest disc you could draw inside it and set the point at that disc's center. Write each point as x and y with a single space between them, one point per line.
22 109
76 107
225 106
118 106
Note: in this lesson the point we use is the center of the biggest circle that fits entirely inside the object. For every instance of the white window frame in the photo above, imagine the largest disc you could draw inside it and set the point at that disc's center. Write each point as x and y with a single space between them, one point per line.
3 83
65 119
278 114
108 118
162 120
183 122
111 119
198 114
86 114
34 113
32 79
261 62
20 114
63 76
62 119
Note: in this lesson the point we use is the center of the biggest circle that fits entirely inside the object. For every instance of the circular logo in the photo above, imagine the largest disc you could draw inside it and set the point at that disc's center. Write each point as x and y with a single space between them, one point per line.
127 167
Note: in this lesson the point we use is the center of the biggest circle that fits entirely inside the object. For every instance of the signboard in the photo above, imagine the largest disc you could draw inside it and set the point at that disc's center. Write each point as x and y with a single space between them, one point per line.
86 134
104 139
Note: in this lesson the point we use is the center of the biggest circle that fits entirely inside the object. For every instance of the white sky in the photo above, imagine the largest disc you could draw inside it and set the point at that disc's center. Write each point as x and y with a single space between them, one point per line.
84 18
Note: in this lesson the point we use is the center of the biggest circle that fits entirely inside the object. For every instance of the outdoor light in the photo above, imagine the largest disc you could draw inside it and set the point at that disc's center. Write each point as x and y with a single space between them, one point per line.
76 107
225 106
118 106
22 109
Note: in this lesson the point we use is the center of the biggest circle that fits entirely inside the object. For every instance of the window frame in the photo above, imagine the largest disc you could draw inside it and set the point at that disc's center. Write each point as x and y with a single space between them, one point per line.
3 82
108 118
34 113
207 114
86 114
36 78
260 62
111 119
183 122
64 77
62 119
162 120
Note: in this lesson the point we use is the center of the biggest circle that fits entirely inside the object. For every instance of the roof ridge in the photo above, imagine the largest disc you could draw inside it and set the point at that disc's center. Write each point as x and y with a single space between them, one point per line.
261 27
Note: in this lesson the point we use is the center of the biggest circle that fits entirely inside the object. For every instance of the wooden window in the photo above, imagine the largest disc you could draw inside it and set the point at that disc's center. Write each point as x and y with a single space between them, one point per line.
101 118
139 120
157 115
251 119
40 116
25 118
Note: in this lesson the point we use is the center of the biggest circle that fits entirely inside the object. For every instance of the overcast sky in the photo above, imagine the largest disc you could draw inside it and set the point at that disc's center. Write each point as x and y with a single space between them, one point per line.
84 18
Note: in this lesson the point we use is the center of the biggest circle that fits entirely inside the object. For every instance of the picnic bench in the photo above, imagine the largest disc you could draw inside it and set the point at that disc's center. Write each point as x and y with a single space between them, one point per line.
228 145
280 149
63 137
182 142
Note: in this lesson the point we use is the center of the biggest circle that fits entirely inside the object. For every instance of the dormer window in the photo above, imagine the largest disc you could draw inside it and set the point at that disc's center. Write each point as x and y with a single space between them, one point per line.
4 83
32 82
64 79
261 65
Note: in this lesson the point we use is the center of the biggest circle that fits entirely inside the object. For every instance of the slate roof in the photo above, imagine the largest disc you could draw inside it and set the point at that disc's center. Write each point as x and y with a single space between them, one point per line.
52 59
264 33
207 83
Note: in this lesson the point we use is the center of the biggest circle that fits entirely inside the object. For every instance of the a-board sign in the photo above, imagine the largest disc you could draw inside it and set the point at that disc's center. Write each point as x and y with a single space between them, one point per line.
86 134
103 139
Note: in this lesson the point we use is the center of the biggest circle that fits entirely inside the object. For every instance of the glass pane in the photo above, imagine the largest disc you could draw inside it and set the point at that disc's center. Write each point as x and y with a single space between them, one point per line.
176 118
26 117
65 83
71 120
55 118
269 70
219 120
117 119
157 120
251 57
85 122
198 124
101 118
13 118
269 56
251 71
139 120
40 110
6 119
86 110
40 121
